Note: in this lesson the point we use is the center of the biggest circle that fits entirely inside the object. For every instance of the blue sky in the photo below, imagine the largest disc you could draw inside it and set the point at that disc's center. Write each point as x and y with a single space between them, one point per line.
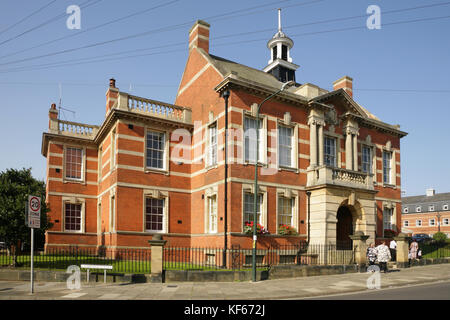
400 72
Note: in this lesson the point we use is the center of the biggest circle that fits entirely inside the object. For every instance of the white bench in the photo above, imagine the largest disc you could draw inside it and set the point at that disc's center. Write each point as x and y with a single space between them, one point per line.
96 266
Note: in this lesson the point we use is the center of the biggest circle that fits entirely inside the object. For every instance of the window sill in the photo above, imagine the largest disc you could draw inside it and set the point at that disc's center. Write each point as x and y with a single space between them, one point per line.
155 170
291 169
260 164
214 166
387 185
68 180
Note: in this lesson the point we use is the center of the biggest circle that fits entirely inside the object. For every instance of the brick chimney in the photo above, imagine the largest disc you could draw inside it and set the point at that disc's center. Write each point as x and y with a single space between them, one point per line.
52 115
345 83
111 95
199 36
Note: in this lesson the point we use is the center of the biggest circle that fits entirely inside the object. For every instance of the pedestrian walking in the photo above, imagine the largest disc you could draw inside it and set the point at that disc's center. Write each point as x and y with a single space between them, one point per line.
393 249
383 256
413 248
371 254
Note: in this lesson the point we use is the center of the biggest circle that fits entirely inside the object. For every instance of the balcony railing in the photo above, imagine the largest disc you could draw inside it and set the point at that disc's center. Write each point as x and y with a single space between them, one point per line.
153 108
73 129
338 176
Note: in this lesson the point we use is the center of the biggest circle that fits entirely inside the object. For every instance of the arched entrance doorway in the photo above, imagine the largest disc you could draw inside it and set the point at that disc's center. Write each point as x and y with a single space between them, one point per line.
344 228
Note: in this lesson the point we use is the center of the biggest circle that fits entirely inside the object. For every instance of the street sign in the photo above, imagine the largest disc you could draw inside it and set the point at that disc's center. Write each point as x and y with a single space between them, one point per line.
34 212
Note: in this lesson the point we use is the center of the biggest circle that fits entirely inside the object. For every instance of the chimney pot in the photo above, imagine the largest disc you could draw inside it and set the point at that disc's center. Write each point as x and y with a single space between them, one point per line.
112 83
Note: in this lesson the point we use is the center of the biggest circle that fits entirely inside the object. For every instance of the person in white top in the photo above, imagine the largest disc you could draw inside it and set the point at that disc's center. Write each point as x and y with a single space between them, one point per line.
393 249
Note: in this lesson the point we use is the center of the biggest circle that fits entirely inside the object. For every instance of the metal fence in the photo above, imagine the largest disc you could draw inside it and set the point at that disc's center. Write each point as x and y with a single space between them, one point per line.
238 258
434 250
122 260
187 258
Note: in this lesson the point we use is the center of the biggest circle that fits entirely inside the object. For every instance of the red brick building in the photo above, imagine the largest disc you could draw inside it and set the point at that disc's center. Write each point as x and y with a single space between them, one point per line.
153 167
426 214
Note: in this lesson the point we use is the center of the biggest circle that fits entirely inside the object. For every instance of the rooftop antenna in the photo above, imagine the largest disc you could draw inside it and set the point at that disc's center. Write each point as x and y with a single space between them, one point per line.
60 102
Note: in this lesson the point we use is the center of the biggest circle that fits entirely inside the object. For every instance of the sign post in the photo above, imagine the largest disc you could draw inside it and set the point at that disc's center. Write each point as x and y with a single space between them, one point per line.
34 221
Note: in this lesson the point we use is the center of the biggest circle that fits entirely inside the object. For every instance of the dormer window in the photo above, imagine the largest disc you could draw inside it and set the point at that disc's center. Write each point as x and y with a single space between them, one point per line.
418 209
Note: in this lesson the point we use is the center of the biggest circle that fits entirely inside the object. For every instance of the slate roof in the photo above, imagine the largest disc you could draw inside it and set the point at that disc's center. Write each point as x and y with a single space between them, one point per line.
426 199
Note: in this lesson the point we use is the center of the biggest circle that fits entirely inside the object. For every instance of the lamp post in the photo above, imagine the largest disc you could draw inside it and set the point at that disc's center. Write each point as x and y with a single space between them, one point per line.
255 194
225 95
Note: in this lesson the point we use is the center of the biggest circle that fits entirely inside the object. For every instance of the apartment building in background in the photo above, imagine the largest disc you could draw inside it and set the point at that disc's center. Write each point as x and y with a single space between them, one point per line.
159 168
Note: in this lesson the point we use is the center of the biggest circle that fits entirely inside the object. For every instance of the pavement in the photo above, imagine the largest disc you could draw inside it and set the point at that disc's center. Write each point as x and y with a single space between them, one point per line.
283 289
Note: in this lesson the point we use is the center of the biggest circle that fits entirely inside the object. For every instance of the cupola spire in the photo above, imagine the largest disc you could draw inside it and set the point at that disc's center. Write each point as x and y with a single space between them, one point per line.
280 63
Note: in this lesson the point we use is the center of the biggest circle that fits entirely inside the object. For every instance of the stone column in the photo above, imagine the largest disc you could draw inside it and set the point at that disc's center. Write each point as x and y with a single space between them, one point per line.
402 250
355 152
320 144
360 248
157 245
313 143
348 151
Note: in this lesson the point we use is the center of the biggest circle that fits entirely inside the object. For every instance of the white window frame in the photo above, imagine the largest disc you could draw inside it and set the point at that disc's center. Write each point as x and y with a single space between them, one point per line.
158 195
405 210
250 135
389 223
77 201
212 227
290 148
405 223
369 160
432 222
445 207
445 221
388 167
419 223
431 208
83 161
212 145
292 196
418 209
165 150
112 211
113 162
330 138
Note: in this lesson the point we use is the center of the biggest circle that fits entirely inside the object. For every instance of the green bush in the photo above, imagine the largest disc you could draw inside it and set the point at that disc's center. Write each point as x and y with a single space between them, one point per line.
440 237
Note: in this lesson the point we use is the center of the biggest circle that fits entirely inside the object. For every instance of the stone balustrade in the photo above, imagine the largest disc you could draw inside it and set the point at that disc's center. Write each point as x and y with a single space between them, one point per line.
73 129
338 176
153 108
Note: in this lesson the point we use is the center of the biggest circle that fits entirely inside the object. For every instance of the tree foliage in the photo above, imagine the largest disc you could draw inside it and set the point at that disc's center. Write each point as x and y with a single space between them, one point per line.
15 187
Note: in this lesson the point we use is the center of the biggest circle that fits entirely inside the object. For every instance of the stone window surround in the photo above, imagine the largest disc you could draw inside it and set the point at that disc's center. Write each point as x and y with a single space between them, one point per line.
210 192
156 194
286 122
249 188
74 200
263 138
393 173
211 121
368 143
390 205
83 164
419 223
112 210
166 162
289 194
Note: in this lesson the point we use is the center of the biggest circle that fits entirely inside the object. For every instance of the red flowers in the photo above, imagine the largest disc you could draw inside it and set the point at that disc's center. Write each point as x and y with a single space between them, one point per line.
286 230
248 228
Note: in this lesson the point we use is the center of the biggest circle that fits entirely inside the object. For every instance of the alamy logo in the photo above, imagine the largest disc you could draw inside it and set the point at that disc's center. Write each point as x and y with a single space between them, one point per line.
374 20
74 20
74 280
374 281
